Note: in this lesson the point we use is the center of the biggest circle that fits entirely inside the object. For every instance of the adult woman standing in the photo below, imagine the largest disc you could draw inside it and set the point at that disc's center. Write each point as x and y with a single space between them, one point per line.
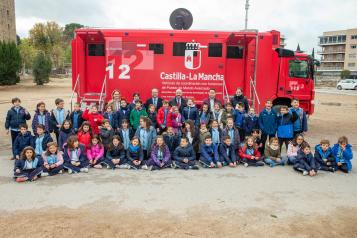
115 101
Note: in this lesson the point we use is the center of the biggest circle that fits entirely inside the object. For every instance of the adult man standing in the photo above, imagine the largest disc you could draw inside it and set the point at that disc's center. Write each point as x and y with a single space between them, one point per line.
239 97
211 100
155 100
178 100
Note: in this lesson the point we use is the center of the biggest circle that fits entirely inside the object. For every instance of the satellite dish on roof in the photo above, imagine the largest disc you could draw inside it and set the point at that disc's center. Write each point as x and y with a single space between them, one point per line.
181 19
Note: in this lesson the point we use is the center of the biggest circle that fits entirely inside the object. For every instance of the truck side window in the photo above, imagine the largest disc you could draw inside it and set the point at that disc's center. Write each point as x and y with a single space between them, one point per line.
157 48
179 48
298 69
215 50
234 52
96 50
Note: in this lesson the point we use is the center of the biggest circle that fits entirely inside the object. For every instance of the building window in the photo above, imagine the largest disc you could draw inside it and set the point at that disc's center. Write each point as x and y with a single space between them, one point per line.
157 48
8 26
353 46
352 56
351 64
354 37
96 50
234 52
215 50
8 13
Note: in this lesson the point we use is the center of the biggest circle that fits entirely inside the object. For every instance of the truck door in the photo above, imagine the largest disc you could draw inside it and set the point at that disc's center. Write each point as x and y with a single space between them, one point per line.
298 84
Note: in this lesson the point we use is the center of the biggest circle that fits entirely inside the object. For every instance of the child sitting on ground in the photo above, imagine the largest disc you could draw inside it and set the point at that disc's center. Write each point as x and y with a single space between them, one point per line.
272 153
249 154
305 161
116 155
52 160
172 140
74 156
160 155
135 155
227 152
294 147
209 157
95 152
184 156
342 151
324 157
28 167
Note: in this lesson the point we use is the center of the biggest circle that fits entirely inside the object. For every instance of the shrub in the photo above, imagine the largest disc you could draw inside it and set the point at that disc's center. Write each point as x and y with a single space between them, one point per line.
41 68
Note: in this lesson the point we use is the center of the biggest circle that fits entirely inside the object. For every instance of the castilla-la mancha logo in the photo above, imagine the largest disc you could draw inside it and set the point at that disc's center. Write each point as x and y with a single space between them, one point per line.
193 55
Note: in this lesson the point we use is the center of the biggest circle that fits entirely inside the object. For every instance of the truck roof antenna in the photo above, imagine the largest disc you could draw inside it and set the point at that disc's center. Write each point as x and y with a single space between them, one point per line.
181 19
246 14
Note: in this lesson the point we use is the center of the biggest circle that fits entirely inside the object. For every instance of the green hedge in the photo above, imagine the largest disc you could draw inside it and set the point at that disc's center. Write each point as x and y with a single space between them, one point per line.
10 63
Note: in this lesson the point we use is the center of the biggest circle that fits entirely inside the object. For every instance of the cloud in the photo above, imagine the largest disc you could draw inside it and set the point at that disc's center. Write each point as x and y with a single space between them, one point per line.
301 21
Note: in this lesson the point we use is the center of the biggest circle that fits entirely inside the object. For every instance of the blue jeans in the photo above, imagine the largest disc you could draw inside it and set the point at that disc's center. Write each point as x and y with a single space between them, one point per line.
273 163
291 160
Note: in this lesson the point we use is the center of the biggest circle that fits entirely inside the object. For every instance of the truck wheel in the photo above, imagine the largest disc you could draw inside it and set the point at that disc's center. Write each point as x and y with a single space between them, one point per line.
339 87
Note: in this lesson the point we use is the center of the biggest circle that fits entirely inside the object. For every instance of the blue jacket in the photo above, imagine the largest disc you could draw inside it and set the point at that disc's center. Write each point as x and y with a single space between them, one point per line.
301 121
47 124
67 156
112 119
20 163
347 155
46 139
307 162
209 153
152 117
223 153
79 119
150 137
62 139
181 153
54 121
172 141
190 113
116 153
134 155
122 113
14 119
235 140
21 142
250 123
285 125
239 119
320 155
268 122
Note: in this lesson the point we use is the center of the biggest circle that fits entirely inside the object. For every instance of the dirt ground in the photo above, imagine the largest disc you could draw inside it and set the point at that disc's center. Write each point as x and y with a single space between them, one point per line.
242 202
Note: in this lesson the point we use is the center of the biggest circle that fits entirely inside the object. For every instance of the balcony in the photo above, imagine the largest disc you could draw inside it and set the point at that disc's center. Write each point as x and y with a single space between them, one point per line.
327 52
331 68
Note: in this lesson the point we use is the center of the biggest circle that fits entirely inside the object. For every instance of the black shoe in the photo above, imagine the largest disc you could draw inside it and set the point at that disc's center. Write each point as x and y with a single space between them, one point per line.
195 167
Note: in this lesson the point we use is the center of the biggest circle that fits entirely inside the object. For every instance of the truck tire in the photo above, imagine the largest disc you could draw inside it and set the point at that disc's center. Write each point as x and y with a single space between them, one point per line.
339 87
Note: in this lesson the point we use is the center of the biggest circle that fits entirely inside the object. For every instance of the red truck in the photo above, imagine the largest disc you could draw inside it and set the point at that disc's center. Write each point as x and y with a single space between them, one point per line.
194 61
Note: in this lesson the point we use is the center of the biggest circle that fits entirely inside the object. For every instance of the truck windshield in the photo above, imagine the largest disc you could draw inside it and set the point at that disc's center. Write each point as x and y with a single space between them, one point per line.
298 69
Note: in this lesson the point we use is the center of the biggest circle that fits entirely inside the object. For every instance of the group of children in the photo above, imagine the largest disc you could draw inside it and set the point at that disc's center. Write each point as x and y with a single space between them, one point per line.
134 137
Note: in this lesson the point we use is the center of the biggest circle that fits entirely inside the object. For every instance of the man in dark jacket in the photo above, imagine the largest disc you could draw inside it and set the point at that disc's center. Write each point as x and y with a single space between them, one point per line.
184 156
178 101
16 116
239 97
211 100
155 100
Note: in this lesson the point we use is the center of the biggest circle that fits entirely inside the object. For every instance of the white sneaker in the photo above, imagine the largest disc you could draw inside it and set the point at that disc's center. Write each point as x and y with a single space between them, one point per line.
118 166
246 165
145 167
70 171
305 173
44 174
98 166
85 170
60 172
124 166
108 167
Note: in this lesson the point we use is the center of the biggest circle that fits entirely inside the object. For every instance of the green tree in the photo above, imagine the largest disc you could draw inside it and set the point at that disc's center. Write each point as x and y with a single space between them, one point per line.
69 29
10 63
42 68
28 53
345 74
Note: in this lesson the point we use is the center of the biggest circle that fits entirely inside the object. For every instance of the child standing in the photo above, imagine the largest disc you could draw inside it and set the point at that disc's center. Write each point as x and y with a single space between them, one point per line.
125 133
76 117
136 114
177 120
305 161
146 134
267 122
95 152
250 122
23 139
294 147
74 157
203 133
42 116
216 132
249 154
123 113
110 116
229 112
164 116
257 140
15 117
172 140
152 114
116 155
227 152
342 151
239 120
209 157
65 132
135 155
189 132
285 130
160 155
58 115
94 117
300 124
217 114
52 160
40 140
204 115
190 112
84 134
323 156
184 156
28 167
272 153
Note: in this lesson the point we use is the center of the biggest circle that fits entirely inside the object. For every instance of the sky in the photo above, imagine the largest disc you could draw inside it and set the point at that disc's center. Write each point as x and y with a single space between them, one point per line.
300 21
